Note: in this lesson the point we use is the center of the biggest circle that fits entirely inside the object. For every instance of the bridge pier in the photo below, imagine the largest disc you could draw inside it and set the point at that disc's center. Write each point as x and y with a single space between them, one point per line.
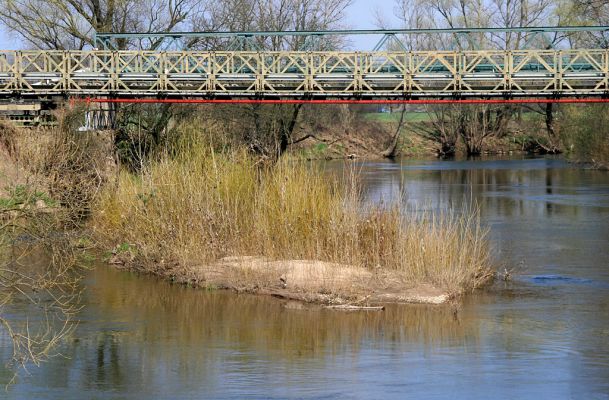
100 116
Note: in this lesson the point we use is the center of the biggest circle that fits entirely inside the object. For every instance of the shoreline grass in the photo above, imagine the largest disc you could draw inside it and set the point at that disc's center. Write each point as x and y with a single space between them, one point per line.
196 206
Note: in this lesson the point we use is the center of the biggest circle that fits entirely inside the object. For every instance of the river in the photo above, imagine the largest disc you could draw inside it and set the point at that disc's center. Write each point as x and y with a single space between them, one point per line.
545 334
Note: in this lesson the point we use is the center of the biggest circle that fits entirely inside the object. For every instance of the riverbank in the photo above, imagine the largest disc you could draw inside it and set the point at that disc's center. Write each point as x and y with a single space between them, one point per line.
324 283
370 135
41 261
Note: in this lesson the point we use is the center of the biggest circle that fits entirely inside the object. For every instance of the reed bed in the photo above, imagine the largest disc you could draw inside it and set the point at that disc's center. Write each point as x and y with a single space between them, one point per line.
196 205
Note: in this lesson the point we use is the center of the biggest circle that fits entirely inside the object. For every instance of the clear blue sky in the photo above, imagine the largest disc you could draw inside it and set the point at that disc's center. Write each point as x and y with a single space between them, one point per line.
361 16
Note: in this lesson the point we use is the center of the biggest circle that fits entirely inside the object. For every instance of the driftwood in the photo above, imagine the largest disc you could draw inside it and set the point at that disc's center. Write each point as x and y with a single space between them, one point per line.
313 298
286 295
348 307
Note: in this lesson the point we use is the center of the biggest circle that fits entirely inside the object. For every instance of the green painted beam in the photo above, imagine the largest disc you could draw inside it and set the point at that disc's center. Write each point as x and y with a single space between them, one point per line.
104 39
568 29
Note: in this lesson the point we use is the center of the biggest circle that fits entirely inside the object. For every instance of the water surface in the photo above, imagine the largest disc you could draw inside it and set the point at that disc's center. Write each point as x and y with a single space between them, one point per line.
545 335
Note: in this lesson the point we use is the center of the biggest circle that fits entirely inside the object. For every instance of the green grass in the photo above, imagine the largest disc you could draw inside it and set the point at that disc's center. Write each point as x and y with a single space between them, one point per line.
21 195
319 151
412 116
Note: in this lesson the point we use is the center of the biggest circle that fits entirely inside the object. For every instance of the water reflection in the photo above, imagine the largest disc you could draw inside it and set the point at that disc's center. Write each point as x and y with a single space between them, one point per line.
531 186
141 336
152 311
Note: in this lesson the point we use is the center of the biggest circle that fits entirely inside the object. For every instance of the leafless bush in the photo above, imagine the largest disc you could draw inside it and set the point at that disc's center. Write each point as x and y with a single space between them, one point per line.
40 261
75 164
39 278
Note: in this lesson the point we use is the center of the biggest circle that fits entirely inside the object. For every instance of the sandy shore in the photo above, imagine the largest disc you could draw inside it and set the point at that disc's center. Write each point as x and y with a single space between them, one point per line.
307 281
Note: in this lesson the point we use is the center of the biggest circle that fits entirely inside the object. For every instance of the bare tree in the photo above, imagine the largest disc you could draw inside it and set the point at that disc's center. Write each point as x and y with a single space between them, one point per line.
40 266
39 284
268 129
442 130
473 124
587 12
71 24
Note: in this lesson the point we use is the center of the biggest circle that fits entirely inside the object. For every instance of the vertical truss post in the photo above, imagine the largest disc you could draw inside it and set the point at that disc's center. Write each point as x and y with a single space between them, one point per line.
508 67
558 65
605 67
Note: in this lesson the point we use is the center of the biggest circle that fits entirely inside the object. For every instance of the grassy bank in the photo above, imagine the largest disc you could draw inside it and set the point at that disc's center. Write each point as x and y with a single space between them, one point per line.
585 134
195 206
394 117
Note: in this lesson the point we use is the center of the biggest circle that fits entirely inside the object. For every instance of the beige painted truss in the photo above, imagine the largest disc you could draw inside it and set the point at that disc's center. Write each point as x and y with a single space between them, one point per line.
305 74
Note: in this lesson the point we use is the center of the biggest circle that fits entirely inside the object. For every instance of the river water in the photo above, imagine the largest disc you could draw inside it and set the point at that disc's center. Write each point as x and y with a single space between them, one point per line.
543 335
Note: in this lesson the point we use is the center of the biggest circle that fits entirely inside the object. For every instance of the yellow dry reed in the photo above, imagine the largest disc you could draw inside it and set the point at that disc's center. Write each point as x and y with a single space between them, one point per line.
198 205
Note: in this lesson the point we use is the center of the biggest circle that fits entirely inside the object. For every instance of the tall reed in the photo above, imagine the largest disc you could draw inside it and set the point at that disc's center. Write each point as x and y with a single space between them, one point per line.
196 205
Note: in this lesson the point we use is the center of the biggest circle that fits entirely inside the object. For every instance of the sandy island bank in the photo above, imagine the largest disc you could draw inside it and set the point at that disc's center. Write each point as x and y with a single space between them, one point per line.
324 283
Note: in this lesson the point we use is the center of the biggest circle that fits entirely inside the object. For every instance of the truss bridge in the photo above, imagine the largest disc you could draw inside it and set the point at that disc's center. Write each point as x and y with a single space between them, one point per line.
239 67
305 75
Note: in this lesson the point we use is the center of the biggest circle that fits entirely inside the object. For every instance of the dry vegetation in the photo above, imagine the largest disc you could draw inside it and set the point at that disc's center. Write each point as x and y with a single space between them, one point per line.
191 209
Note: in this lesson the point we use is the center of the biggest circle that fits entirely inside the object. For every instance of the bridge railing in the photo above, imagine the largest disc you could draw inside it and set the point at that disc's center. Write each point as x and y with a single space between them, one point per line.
297 74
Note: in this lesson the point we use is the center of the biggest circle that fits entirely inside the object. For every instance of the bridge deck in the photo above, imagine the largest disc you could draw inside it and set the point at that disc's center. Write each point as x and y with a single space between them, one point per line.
272 75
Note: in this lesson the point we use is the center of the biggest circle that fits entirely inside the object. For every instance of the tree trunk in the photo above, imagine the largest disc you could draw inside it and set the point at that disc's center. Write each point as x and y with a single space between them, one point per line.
550 120
160 124
391 151
287 131
447 150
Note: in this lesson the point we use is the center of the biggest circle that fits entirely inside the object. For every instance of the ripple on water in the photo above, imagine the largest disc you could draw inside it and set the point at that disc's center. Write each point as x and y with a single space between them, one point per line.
562 280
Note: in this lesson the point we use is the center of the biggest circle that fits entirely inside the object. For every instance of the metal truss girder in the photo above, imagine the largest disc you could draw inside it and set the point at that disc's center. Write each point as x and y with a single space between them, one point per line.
269 74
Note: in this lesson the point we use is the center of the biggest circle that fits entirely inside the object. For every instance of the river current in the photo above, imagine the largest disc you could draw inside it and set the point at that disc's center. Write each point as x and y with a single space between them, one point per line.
545 334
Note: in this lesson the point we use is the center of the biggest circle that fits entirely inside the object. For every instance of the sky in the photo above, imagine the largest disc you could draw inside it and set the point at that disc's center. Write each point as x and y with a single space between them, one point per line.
362 12
361 15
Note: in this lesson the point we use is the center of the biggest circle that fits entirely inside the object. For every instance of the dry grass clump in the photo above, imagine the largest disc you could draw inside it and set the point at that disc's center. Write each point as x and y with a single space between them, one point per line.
197 206
70 165
201 206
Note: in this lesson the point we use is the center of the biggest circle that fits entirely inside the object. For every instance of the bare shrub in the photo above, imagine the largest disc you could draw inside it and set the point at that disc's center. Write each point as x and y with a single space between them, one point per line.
60 173
585 134
39 277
